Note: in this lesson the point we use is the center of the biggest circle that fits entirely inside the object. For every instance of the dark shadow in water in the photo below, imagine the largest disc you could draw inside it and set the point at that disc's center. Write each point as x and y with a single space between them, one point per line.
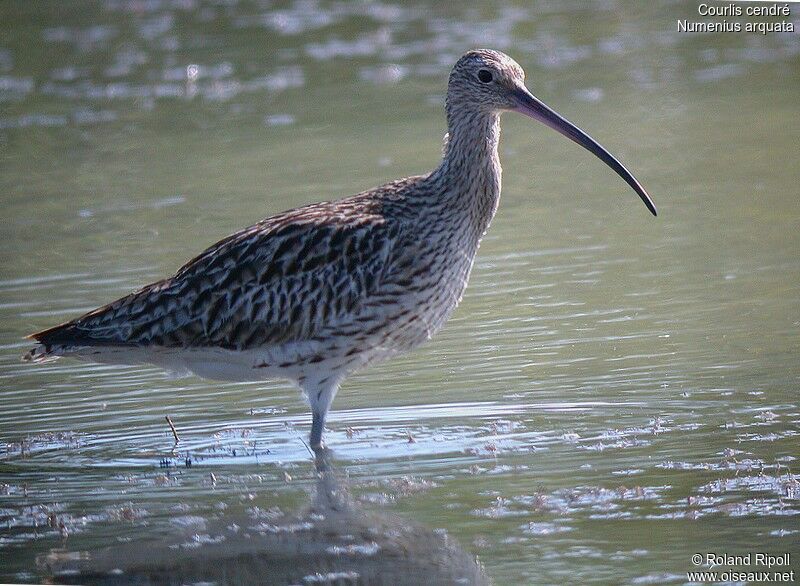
332 541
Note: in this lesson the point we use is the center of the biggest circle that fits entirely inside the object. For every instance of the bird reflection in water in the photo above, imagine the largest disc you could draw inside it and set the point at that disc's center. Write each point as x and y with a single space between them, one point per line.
331 541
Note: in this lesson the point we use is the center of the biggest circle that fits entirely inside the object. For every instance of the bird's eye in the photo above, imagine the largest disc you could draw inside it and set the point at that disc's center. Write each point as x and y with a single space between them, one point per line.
485 75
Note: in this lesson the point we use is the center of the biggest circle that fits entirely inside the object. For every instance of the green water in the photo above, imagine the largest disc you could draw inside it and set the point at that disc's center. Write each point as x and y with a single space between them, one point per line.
615 393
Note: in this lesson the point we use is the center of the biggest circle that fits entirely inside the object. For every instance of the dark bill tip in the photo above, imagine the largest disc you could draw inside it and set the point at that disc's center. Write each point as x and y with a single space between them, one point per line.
531 106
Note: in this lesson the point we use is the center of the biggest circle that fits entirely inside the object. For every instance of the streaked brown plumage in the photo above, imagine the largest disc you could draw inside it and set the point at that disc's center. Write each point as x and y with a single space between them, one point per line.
314 293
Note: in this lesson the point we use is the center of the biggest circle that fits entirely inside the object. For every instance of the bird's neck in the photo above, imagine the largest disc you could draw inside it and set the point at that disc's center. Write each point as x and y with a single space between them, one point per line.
469 174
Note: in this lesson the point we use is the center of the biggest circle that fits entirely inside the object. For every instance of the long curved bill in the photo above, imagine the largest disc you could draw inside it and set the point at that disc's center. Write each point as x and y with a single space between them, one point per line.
531 106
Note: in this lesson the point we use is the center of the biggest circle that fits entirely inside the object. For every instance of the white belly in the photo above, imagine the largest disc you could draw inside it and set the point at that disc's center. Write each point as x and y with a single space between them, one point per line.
289 362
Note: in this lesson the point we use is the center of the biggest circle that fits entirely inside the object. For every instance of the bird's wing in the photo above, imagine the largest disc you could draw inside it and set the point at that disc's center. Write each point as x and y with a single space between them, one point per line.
284 279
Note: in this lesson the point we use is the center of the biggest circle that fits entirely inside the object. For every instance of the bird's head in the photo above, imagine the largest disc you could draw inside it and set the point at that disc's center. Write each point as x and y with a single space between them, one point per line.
485 80
490 82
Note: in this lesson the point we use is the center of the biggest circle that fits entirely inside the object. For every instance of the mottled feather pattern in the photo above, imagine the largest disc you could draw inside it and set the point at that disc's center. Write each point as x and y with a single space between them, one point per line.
255 287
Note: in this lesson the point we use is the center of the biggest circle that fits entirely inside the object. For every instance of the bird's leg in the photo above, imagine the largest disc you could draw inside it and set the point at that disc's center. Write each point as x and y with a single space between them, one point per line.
317 425
320 395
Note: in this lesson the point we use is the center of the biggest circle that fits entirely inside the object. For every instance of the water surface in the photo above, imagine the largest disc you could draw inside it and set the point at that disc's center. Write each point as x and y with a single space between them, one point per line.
616 391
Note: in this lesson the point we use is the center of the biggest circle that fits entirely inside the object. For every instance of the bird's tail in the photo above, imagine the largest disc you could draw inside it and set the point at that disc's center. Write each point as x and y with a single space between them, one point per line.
52 343
40 354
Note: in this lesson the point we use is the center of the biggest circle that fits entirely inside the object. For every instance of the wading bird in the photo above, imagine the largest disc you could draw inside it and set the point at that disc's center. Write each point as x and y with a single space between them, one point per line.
315 293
